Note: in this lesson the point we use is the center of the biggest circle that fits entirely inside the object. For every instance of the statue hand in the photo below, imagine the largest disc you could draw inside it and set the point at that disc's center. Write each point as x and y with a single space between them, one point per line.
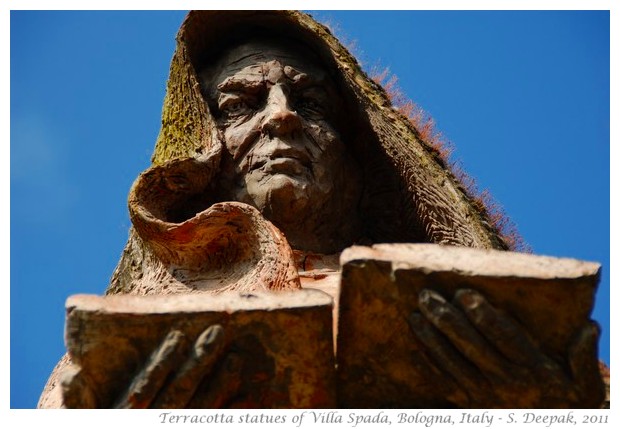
494 360
169 378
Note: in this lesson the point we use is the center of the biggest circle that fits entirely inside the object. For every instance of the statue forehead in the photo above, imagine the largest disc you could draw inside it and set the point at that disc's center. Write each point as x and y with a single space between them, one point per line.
263 52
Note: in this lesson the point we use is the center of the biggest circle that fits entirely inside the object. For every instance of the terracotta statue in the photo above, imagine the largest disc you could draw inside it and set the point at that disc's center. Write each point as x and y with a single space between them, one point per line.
277 152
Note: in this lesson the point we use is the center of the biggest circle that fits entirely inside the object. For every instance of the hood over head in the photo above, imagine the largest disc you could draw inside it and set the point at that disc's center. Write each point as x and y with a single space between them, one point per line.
409 196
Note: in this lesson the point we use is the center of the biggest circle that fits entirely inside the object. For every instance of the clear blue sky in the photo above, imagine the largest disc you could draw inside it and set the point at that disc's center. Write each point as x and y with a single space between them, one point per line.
523 96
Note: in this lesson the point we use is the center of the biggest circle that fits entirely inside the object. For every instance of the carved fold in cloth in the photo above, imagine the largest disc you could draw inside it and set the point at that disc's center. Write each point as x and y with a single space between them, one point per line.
227 246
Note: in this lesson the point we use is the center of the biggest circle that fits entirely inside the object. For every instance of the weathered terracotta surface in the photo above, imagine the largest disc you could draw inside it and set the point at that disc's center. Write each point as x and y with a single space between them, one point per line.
408 194
283 343
195 232
380 361
606 374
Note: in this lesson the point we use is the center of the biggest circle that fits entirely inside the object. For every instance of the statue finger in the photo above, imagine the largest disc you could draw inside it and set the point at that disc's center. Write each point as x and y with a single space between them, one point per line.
511 339
583 360
76 391
207 351
224 385
499 328
458 329
449 360
147 384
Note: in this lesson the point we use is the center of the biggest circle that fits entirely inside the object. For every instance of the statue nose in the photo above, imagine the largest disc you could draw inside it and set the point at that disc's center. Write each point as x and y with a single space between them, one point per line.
281 119
282 122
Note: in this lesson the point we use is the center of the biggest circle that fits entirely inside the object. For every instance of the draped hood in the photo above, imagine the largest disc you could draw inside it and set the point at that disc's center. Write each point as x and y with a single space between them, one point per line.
409 195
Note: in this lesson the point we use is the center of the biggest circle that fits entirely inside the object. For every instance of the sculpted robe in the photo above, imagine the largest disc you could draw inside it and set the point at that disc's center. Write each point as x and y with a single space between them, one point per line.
415 199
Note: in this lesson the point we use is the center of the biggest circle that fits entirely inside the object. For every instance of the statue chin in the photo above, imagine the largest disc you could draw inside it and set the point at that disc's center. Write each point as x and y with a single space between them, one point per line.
298 205
280 197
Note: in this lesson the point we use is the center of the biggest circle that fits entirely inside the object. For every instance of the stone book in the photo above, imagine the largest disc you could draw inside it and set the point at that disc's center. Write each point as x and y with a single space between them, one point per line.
284 340
381 363
286 343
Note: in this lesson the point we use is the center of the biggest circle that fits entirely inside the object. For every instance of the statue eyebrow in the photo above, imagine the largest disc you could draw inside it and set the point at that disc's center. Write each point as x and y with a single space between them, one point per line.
238 83
303 80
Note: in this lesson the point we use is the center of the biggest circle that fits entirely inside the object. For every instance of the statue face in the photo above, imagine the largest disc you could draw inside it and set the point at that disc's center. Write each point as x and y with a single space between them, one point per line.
275 111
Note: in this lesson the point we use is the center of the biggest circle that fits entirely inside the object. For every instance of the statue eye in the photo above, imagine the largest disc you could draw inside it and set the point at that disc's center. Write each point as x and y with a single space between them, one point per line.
310 106
236 108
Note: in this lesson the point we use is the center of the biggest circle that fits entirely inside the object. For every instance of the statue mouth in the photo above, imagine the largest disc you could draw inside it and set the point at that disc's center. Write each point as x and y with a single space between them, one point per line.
284 165
289 160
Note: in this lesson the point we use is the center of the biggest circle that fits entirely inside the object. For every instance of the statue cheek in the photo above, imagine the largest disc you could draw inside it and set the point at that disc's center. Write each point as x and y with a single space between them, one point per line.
326 139
240 134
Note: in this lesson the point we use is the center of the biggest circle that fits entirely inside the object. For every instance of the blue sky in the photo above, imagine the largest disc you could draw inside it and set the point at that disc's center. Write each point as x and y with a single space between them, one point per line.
523 97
